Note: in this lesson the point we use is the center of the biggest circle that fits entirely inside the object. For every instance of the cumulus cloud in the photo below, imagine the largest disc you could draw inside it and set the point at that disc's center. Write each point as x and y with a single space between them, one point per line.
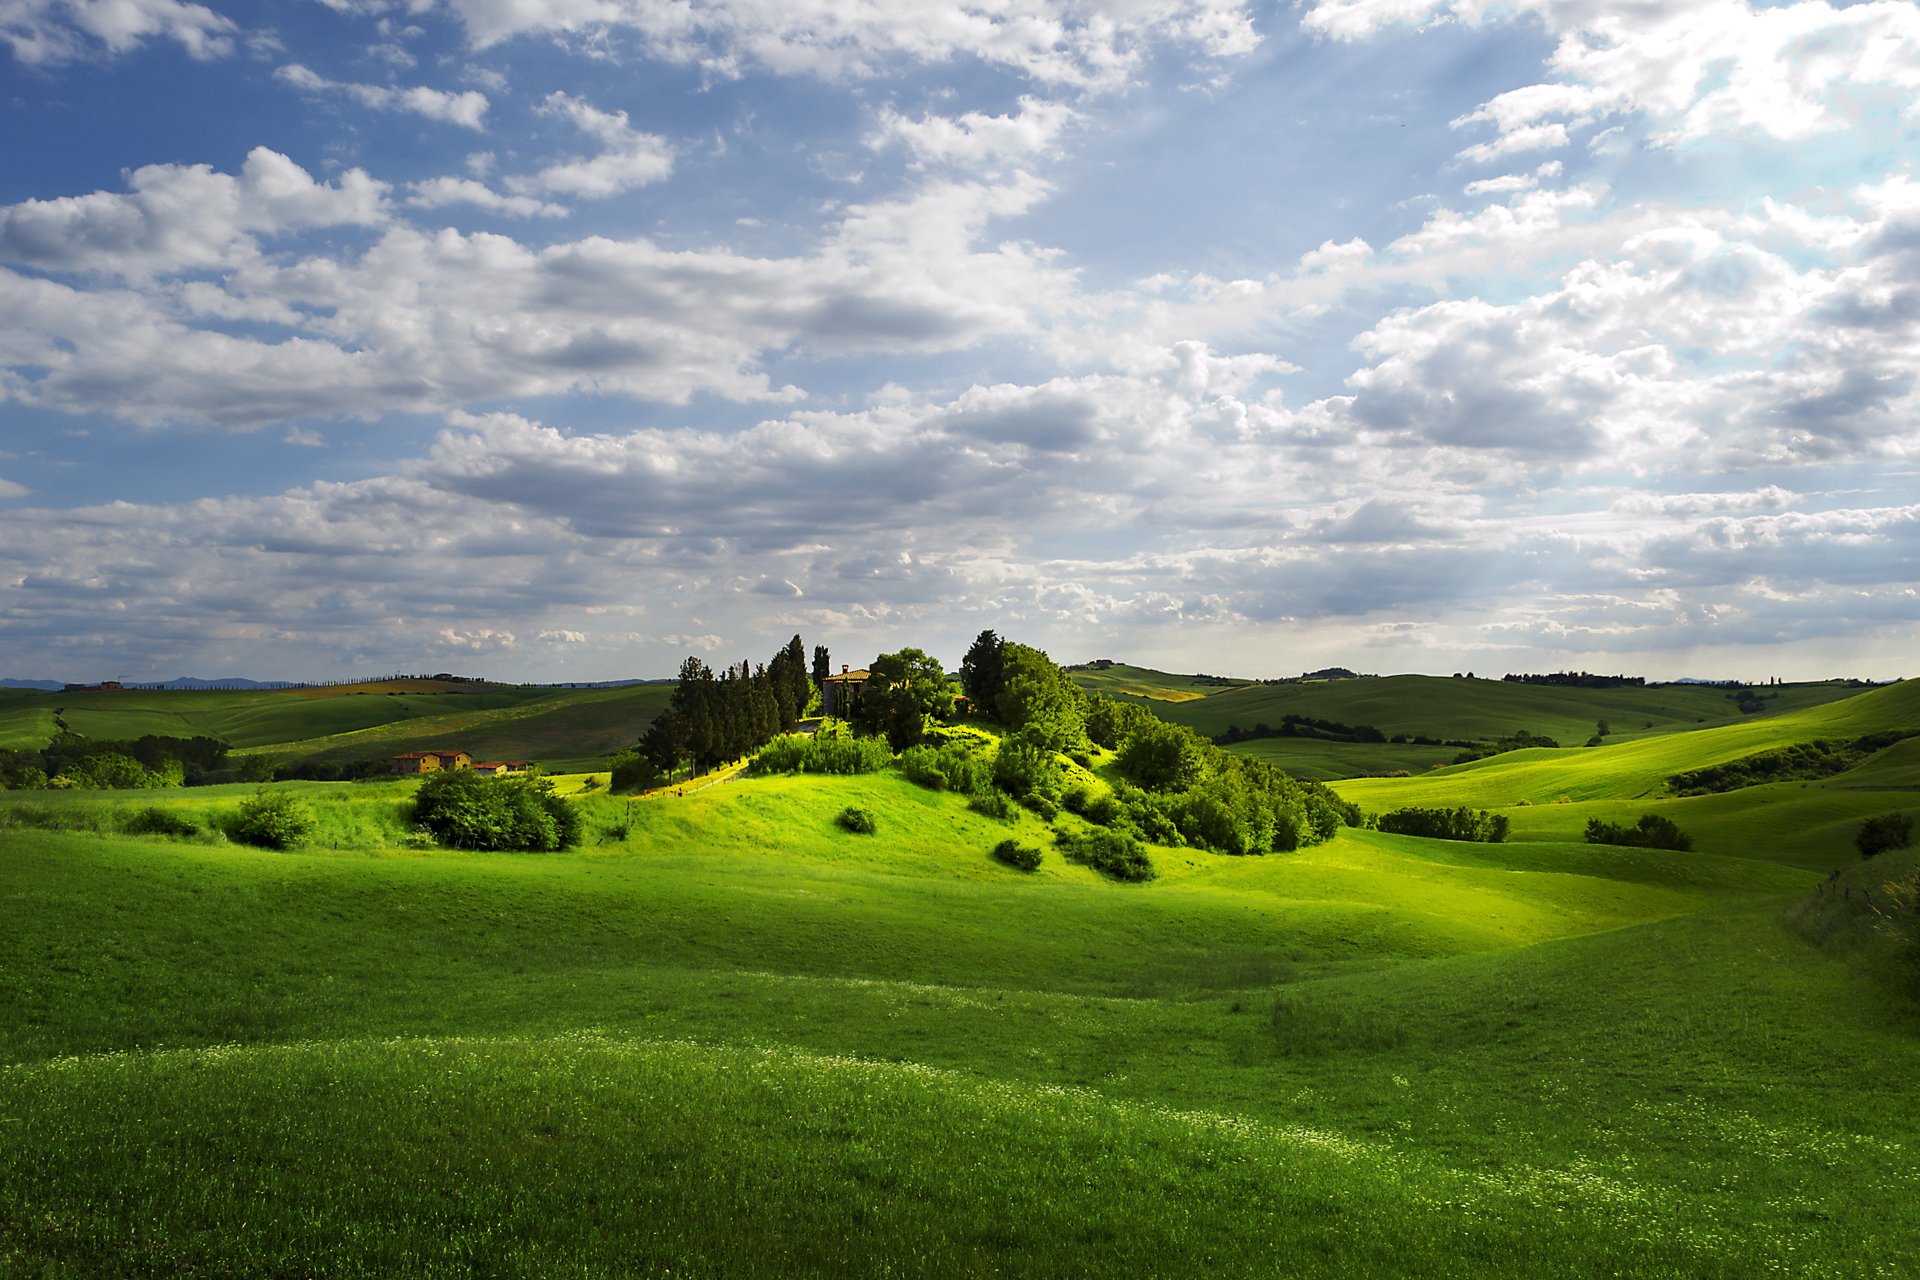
178 218
467 108
45 32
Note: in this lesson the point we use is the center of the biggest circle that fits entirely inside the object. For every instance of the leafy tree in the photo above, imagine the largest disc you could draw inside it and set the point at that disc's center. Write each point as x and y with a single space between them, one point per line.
634 771
1025 765
1163 757
902 690
1038 697
822 665
1651 832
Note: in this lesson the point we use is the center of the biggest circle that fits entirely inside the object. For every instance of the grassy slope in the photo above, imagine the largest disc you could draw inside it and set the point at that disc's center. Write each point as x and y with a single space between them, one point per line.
1808 824
1440 707
1158 686
740 1042
562 727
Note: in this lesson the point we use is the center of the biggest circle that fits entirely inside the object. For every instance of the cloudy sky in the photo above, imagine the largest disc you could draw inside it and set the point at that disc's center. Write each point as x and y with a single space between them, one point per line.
556 339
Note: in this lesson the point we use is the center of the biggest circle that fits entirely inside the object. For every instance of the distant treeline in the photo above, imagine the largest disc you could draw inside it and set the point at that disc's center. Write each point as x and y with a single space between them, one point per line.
71 760
1295 726
1802 761
1578 680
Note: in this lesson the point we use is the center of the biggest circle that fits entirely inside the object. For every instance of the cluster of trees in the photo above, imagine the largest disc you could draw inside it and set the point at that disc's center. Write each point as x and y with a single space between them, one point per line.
714 718
1578 680
1445 824
1295 726
1651 832
71 760
1519 740
1802 761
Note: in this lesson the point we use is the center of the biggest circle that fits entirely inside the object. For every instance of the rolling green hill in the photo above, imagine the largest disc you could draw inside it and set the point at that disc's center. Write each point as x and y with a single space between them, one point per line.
1550 794
726 1037
562 727
1123 680
1440 707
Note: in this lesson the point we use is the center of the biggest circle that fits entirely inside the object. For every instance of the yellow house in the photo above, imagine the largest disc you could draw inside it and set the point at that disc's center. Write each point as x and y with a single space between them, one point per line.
431 761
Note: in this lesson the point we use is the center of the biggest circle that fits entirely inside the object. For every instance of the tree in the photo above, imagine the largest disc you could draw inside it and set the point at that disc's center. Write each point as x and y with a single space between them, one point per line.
902 689
1879 834
981 673
822 665
1038 697
1163 757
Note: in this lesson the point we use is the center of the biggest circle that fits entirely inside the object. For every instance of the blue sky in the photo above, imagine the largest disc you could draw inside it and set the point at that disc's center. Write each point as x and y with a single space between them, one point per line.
555 340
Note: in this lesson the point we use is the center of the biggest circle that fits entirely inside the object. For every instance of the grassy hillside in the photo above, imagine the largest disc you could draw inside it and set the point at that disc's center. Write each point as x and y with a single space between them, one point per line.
1441 707
727 1038
563 727
1158 686
1550 794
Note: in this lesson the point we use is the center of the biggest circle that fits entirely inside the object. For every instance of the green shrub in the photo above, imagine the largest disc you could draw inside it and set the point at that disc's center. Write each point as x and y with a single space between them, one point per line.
1446 824
1112 853
993 804
1046 809
633 772
800 753
1882 833
857 820
466 811
271 820
1651 832
155 821
1105 810
1023 765
1016 855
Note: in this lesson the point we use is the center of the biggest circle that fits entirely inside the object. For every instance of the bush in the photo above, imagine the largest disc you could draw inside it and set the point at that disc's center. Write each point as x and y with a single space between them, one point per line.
1446 824
857 820
1111 853
633 772
1040 805
993 805
800 753
1023 766
945 768
1885 832
155 821
271 820
1016 855
466 811
1651 832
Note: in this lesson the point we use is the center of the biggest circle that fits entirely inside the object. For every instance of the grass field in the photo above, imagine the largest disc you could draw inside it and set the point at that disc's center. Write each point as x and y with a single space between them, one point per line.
726 1038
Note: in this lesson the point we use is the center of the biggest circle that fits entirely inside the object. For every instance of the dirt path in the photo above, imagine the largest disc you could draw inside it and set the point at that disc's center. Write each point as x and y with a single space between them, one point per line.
726 773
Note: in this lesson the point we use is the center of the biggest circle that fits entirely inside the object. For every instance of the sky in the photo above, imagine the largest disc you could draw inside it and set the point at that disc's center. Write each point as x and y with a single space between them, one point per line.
559 339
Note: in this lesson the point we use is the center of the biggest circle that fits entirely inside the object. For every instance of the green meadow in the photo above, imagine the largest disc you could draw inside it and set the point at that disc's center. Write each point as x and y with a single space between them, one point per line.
724 1037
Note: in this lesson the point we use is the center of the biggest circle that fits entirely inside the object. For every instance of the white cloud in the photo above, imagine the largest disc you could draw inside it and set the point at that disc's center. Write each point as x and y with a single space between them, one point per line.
1065 42
976 140
435 193
12 488
467 108
628 159
42 32
183 217
1693 69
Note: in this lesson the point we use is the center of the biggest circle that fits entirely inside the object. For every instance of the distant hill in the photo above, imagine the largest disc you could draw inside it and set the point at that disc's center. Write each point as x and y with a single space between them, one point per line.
1119 678
51 686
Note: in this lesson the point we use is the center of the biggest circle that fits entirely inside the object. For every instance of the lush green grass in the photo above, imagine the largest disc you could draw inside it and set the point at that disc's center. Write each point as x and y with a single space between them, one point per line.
1441 707
725 1037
